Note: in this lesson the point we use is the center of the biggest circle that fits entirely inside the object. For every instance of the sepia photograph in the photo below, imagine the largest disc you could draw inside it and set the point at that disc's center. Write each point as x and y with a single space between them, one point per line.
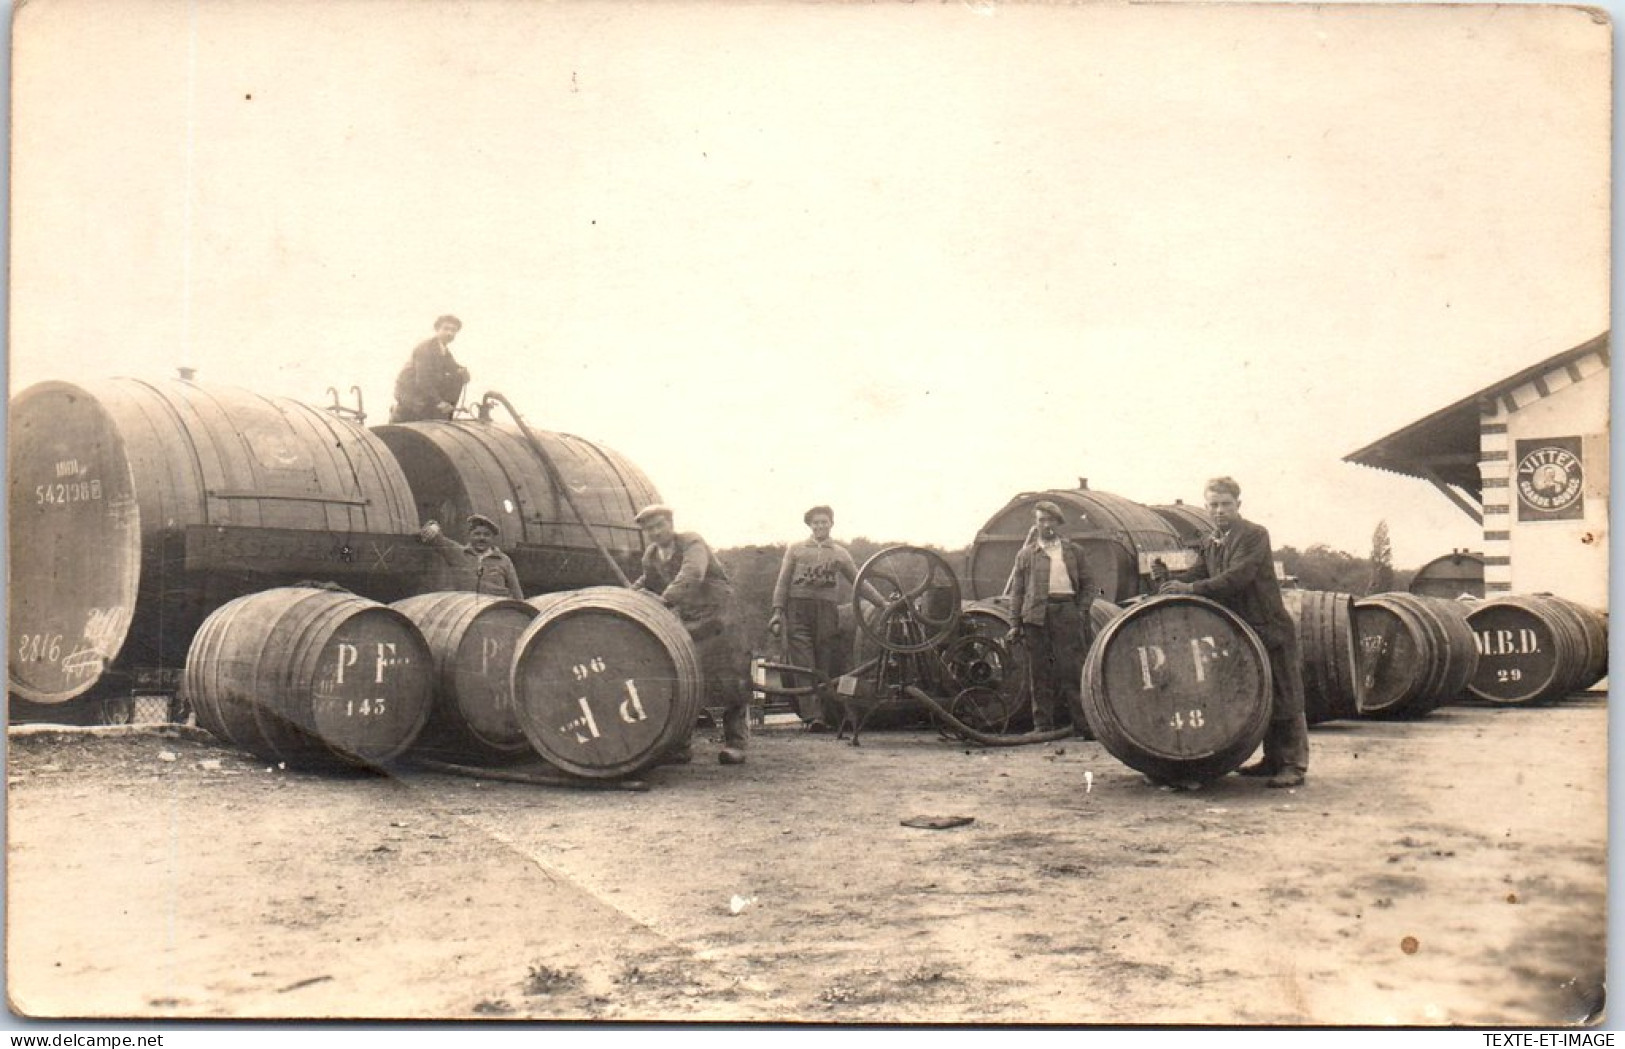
786 512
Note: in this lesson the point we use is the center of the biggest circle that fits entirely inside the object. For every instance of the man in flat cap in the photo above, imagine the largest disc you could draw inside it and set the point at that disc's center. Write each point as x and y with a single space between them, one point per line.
807 599
1050 597
680 569
432 381
1237 570
480 565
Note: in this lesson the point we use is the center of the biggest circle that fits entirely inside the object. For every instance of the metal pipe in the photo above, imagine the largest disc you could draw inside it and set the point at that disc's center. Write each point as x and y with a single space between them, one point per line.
985 738
558 483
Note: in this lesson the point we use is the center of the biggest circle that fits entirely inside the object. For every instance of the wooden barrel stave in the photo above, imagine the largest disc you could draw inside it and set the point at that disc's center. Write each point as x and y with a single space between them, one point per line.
1324 622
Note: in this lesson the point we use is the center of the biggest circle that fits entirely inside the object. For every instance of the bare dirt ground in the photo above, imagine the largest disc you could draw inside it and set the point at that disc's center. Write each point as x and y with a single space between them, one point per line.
1447 871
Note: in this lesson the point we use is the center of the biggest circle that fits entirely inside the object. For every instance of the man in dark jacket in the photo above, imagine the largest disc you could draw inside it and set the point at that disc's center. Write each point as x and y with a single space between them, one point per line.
680 569
432 381
1050 597
1237 570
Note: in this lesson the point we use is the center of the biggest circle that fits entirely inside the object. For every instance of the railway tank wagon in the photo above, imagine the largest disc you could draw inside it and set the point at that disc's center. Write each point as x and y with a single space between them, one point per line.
1120 538
138 507
459 467
1451 576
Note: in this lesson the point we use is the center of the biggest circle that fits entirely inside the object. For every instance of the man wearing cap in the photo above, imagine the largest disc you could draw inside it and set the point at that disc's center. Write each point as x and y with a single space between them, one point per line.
432 381
680 569
808 595
1050 597
1237 569
480 563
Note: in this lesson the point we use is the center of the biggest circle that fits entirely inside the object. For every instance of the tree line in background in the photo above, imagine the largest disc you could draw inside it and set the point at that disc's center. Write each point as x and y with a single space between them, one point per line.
754 570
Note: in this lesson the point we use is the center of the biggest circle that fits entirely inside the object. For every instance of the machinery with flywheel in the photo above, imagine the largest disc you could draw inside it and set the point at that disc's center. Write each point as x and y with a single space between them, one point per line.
917 646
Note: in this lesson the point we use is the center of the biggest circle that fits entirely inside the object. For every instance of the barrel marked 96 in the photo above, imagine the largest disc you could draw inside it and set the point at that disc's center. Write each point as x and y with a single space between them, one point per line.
630 712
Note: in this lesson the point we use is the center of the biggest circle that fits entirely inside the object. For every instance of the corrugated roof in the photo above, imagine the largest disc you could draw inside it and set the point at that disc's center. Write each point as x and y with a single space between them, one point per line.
1445 443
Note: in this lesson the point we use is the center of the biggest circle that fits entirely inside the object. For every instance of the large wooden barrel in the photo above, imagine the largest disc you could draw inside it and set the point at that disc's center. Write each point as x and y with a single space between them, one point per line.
1416 654
472 638
1119 538
1535 649
139 507
1450 576
310 677
1178 688
456 468
1331 669
1191 522
606 681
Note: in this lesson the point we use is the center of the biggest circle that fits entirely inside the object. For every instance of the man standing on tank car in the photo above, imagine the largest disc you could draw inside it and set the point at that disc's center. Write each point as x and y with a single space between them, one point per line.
432 381
680 569
492 570
1237 569
1049 598
807 598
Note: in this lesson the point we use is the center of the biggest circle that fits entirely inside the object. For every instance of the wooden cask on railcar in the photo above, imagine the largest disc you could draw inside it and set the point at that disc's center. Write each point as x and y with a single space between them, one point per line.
1178 688
473 638
606 681
1416 654
310 677
1192 523
1535 649
139 507
1119 538
1331 675
456 468
1451 576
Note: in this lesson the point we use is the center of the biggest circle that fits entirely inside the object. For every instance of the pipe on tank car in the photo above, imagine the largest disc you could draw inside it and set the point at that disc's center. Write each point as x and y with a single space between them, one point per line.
556 477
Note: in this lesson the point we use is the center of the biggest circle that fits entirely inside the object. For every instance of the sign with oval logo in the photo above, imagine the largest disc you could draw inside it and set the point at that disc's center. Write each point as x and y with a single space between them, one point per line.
1550 480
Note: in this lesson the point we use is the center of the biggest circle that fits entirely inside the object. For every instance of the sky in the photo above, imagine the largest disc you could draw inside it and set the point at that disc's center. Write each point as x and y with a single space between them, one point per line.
908 260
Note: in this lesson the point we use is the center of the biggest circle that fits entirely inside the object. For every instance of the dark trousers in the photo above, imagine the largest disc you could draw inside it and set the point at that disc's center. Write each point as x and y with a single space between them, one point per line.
1055 651
724 670
1286 741
812 639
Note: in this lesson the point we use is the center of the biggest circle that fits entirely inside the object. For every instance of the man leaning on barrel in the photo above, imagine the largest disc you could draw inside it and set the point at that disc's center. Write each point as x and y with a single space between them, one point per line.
680 569
1237 569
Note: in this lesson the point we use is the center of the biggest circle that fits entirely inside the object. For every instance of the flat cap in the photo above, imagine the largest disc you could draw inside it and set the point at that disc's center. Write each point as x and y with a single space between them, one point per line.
481 519
1044 506
649 513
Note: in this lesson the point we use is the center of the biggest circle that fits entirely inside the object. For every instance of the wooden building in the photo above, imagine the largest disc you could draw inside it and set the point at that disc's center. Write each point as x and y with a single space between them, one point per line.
1527 458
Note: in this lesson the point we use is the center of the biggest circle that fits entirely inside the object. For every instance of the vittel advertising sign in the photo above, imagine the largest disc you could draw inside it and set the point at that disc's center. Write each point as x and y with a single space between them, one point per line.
1550 479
